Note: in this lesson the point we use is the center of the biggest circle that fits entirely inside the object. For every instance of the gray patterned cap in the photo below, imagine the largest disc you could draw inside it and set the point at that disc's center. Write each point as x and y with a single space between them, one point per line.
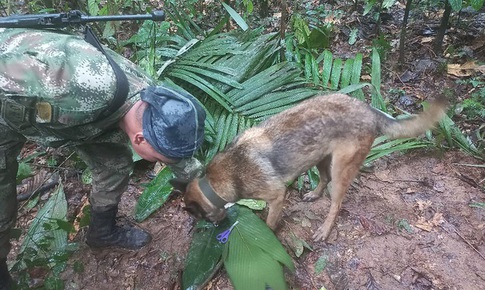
173 121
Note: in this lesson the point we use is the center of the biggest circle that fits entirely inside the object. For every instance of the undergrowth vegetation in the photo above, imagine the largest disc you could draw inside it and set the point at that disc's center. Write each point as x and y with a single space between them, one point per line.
242 75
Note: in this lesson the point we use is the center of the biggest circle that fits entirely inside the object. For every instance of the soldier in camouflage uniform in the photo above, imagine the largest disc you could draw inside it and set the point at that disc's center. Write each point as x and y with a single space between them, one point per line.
54 89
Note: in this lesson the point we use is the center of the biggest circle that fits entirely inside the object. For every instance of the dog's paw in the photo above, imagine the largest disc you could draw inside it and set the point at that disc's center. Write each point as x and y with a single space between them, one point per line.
311 196
321 234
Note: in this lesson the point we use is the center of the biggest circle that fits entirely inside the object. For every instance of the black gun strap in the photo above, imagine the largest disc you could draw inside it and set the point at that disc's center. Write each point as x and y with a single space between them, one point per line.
122 86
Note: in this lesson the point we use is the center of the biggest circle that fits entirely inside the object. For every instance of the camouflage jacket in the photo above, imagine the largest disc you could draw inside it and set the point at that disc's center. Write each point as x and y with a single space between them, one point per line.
54 85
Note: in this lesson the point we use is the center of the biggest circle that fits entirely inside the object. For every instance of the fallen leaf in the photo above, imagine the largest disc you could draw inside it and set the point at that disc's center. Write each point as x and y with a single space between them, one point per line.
372 226
383 175
424 226
423 204
437 219
465 70
439 186
427 39
305 222
410 191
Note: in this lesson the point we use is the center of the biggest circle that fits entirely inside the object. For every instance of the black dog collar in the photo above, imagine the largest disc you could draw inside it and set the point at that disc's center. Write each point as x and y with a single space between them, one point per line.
209 192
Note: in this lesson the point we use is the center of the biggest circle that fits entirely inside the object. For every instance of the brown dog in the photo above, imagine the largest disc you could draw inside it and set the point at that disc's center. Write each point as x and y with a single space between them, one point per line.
334 132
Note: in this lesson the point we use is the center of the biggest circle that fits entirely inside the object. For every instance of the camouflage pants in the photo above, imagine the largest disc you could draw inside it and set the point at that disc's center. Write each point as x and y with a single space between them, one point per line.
110 163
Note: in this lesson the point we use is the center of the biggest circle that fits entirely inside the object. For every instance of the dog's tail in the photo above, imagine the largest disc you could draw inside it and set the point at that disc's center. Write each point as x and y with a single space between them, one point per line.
414 125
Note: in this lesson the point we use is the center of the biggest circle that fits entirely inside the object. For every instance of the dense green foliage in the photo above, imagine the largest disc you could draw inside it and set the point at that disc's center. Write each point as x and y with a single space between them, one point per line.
242 76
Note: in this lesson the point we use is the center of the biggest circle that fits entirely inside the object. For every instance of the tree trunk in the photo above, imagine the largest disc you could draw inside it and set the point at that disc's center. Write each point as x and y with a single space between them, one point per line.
402 39
438 43
263 8
283 24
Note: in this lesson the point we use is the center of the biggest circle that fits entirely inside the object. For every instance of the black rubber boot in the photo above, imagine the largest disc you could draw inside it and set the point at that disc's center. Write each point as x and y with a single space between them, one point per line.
5 279
103 232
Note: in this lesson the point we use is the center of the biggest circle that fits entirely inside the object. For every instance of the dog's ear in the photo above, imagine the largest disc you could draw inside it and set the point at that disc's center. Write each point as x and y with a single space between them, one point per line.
178 185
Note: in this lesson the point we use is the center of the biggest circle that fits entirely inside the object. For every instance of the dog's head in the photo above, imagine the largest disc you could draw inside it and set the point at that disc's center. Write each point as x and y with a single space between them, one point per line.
198 205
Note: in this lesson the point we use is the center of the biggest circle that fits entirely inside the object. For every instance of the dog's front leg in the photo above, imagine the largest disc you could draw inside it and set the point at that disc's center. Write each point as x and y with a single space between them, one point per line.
325 177
275 205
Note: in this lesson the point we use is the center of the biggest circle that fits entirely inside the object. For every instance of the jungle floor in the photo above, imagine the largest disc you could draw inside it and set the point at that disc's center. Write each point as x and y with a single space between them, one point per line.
408 222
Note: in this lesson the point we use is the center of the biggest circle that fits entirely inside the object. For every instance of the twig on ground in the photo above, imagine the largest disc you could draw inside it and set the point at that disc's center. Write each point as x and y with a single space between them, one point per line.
466 241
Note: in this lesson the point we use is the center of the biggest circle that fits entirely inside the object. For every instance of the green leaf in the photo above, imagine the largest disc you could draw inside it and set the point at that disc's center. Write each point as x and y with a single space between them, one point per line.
87 176
54 283
204 257
239 20
356 74
377 100
93 7
65 225
308 66
455 137
256 232
353 36
253 256
253 204
298 245
336 73
315 72
404 224
44 237
456 4
264 82
321 264
353 88
23 172
300 26
476 4
313 177
275 100
477 204
388 3
154 196
249 267
136 157
327 67
382 146
202 84
224 133
347 73
318 38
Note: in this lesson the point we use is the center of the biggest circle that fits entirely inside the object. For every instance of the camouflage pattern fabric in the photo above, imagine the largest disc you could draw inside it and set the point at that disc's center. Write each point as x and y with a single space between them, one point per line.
10 145
63 82
53 86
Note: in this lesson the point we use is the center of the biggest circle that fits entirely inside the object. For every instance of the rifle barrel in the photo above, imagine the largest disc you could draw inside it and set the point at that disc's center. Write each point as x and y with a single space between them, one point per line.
155 16
73 18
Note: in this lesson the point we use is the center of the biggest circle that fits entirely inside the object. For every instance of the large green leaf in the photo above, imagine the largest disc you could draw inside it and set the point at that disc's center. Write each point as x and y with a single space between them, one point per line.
204 257
252 253
46 237
476 4
383 146
347 73
356 74
377 99
456 4
154 195
54 209
253 256
239 20
455 137
327 67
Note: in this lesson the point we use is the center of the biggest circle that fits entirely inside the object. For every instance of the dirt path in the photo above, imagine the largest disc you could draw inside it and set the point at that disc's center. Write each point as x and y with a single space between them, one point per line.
406 225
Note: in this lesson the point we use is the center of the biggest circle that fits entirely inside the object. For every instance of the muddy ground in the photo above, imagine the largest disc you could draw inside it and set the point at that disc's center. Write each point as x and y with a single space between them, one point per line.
408 224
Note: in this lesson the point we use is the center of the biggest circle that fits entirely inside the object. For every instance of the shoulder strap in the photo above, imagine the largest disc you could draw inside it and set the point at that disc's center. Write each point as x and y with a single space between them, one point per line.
122 86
